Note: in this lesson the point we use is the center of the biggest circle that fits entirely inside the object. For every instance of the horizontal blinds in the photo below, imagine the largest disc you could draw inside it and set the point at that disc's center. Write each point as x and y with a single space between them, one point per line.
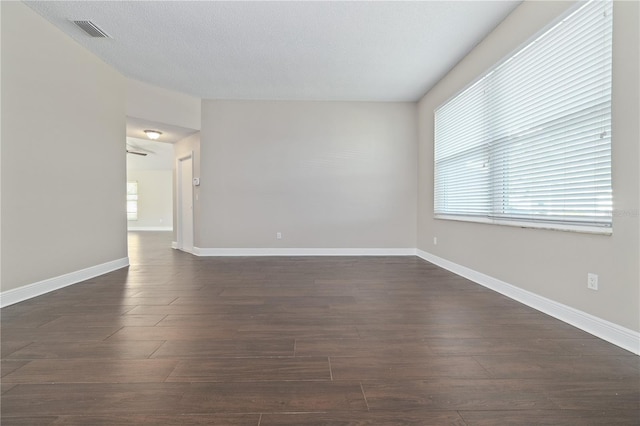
531 140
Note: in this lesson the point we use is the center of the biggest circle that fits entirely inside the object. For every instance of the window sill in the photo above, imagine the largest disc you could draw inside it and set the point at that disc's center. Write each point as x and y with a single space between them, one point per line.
584 229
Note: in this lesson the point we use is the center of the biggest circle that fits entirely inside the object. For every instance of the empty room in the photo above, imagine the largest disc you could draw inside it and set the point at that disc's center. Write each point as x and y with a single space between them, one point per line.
320 213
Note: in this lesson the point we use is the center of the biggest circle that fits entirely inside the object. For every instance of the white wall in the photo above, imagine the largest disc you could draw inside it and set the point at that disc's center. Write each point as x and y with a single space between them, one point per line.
324 174
155 200
553 264
63 157
154 103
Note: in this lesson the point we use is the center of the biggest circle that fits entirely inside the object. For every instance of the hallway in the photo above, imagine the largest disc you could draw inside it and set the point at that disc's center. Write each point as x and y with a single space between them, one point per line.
177 339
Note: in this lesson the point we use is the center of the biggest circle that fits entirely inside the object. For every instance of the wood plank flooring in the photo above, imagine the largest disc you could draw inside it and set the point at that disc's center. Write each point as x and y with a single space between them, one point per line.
179 340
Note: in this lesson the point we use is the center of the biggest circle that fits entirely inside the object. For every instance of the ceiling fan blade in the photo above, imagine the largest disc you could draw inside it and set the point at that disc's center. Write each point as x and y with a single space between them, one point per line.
133 147
144 154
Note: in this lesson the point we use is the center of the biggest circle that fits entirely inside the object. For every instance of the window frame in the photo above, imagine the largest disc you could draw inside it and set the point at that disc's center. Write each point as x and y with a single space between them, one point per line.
535 223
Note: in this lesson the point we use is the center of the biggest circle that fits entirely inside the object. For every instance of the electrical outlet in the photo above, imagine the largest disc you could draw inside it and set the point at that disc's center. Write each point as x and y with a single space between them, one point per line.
592 281
435 241
278 235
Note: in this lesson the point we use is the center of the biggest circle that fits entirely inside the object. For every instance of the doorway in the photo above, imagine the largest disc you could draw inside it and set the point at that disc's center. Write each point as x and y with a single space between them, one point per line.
150 180
185 203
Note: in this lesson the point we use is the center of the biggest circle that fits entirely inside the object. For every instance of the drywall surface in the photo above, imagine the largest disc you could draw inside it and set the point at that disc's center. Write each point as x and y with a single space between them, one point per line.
323 174
63 156
154 103
553 264
155 199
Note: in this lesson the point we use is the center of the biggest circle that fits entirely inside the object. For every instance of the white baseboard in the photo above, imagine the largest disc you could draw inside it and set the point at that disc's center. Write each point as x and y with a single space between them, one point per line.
612 333
150 228
304 251
28 291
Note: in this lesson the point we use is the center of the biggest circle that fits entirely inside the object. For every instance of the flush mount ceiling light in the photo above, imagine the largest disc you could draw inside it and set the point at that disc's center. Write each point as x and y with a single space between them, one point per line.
153 134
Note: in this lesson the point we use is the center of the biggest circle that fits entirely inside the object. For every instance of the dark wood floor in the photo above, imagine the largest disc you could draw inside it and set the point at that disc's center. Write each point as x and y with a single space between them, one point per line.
180 340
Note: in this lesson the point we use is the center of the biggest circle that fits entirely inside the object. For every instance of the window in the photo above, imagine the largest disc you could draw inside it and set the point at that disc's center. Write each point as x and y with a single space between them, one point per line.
529 143
132 200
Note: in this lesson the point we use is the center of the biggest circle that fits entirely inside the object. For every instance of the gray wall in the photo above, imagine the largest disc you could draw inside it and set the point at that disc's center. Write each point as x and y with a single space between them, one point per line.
63 153
553 264
325 174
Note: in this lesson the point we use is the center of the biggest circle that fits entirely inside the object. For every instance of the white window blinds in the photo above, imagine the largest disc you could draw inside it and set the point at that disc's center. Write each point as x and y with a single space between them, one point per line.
530 142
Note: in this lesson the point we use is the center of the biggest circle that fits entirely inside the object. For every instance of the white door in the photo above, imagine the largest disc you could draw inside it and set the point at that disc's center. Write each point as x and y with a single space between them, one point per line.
185 204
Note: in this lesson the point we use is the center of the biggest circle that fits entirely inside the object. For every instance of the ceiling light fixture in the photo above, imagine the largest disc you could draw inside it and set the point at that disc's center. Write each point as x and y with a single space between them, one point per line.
153 134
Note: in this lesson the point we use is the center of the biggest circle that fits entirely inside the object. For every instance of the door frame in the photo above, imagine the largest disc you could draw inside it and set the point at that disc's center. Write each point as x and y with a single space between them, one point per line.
179 200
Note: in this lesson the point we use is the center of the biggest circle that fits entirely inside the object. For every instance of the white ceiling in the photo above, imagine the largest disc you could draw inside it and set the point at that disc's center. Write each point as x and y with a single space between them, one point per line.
307 50
172 134
159 155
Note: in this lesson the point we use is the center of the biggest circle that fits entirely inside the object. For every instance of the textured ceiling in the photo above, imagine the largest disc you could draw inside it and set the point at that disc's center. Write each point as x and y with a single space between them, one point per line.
328 50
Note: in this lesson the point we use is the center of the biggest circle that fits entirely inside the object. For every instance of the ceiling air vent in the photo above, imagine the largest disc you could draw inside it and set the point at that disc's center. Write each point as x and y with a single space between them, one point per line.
92 29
